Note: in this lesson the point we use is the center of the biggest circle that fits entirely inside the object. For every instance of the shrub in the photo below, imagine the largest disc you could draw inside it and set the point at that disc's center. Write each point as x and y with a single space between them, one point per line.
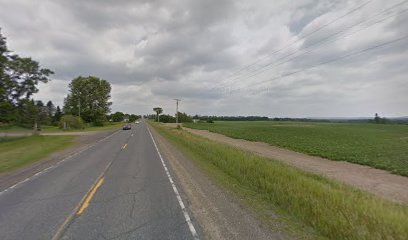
71 122
98 123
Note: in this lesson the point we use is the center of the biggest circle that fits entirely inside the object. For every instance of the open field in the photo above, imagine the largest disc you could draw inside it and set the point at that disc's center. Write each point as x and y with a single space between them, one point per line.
313 204
377 145
16 152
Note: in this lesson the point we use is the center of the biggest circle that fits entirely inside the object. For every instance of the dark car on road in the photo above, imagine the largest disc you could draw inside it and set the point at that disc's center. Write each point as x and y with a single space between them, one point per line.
127 127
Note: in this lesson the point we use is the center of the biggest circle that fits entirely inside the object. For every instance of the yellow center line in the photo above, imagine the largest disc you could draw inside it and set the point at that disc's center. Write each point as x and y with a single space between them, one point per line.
124 146
89 197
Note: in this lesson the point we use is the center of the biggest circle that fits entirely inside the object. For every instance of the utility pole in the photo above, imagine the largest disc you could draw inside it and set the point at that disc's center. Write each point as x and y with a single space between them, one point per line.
177 100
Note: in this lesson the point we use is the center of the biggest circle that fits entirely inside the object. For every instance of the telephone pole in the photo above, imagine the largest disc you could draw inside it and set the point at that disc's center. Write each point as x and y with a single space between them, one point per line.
177 100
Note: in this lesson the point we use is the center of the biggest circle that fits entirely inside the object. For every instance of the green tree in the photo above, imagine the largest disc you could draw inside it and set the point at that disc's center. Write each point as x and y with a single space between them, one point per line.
377 118
8 112
25 74
58 114
133 117
42 115
19 78
28 112
50 108
71 122
158 111
4 80
165 118
183 117
118 116
89 99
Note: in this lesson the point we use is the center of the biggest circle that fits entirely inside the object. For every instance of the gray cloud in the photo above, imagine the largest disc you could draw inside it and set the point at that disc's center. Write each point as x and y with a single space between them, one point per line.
153 51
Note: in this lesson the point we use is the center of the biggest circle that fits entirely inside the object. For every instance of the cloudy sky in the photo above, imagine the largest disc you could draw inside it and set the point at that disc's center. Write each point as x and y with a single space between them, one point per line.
311 58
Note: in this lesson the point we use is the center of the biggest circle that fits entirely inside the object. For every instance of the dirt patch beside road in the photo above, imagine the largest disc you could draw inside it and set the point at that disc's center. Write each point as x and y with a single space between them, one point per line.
379 182
83 140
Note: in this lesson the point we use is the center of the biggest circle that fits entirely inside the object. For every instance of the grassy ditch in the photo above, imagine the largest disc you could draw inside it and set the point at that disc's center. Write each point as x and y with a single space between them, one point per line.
328 209
383 146
16 152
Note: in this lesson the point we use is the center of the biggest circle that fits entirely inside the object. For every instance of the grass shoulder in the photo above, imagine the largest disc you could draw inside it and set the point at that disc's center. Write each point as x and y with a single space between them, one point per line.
308 203
16 152
106 127
13 128
55 129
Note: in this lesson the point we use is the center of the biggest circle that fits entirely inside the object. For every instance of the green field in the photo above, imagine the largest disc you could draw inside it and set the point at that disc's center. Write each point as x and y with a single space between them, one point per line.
16 152
310 205
377 145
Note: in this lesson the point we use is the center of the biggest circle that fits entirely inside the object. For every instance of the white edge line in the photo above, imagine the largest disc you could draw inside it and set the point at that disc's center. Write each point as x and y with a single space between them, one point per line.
55 165
183 208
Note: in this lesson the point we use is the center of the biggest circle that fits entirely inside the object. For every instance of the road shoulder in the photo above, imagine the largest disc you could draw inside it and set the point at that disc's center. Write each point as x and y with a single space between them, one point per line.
220 214
82 142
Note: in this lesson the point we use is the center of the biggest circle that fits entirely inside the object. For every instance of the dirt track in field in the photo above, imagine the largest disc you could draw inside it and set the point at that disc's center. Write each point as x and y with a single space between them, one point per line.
379 182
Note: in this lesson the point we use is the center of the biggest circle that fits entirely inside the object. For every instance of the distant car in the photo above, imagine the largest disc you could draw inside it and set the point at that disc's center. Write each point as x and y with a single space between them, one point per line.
127 127
137 122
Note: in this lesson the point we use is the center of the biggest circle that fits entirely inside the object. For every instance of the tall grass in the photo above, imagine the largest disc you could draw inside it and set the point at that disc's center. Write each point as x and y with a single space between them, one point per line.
331 209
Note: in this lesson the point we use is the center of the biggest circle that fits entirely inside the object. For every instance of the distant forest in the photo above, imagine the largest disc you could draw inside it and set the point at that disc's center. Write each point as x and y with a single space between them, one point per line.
376 119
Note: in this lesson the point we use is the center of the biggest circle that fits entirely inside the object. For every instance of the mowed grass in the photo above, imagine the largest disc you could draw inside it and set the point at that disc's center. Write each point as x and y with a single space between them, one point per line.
7 129
106 127
51 129
318 207
16 152
377 145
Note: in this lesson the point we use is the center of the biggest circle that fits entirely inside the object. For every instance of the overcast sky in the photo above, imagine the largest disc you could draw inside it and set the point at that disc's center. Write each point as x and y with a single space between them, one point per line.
222 57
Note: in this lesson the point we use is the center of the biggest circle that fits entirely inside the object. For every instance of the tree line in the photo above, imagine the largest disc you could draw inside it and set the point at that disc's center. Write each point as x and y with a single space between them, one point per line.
123 117
87 100
230 118
210 119
166 118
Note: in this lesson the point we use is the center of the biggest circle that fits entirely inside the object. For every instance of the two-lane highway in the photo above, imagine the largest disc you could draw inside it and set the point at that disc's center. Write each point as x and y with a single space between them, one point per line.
117 189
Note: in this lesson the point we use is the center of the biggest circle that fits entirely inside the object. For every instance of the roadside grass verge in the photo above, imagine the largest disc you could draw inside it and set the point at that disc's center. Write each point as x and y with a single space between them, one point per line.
382 146
106 127
13 129
52 129
311 203
16 152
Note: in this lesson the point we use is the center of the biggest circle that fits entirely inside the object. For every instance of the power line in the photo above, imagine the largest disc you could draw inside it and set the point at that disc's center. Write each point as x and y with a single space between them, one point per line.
321 42
303 37
318 43
331 61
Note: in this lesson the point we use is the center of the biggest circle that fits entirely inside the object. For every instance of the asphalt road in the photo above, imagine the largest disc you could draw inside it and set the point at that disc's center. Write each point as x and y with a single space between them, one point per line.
116 189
